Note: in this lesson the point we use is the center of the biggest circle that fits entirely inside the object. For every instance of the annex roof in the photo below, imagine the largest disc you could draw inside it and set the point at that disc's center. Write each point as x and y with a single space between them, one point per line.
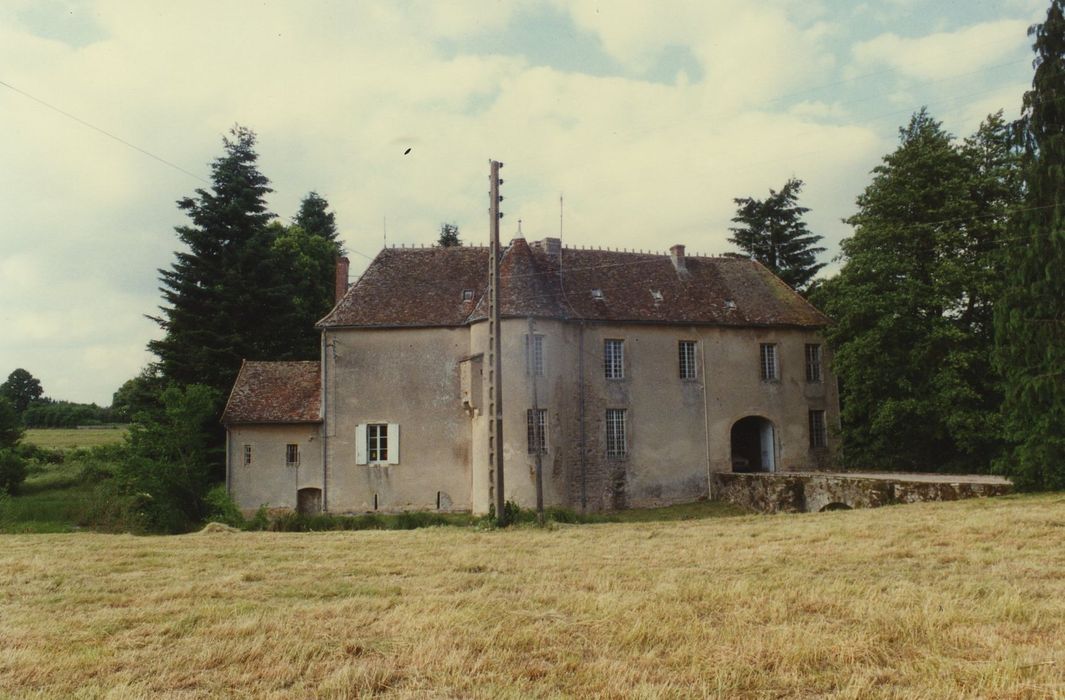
275 392
418 287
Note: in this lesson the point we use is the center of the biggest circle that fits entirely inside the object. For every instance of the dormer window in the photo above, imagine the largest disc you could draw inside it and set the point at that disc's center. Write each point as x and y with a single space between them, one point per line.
597 293
656 295
467 295
730 305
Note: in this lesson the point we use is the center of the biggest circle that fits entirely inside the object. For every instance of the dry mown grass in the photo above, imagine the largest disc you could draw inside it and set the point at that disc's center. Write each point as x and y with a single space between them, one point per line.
930 600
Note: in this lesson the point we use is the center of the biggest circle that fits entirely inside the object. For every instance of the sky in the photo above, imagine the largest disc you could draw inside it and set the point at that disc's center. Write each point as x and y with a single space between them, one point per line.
647 119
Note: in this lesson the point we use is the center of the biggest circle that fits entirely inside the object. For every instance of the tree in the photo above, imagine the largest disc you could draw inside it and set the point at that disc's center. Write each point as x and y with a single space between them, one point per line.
305 266
10 426
772 232
911 302
21 388
222 292
165 470
1030 319
138 395
449 236
315 218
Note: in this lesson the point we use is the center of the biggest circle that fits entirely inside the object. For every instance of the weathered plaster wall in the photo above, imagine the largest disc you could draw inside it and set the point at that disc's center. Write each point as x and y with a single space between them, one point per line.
268 480
673 430
406 376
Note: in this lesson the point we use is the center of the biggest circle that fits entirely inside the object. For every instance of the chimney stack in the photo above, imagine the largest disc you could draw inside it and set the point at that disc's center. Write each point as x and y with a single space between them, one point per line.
342 278
676 255
551 246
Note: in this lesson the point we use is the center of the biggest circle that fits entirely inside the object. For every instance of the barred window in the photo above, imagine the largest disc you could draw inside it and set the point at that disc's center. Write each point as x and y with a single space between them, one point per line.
813 363
770 369
686 349
818 432
614 359
534 355
536 429
292 455
247 455
377 442
615 432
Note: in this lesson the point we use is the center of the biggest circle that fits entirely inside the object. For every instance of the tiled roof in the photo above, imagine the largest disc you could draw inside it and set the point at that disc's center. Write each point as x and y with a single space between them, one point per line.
424 287
275 392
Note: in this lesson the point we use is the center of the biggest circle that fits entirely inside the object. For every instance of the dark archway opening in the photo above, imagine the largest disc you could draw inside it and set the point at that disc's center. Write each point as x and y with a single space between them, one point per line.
835 506
309 501
753 445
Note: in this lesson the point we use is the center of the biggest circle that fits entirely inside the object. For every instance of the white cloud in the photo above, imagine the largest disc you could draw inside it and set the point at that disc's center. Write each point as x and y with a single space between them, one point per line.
943 54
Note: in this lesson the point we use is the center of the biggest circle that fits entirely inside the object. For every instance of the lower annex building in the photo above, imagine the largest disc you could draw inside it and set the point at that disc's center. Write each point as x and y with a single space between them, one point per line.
632 376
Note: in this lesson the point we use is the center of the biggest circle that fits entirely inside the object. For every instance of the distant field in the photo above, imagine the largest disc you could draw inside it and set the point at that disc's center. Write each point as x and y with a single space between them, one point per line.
70 438
963 599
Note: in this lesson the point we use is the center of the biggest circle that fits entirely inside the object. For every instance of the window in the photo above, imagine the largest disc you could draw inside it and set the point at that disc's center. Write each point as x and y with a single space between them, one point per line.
292 455
377 443
536 429
813 363
467 295
534 355
597 293
247 455
614 359
615 432
818 434
686 349
770 370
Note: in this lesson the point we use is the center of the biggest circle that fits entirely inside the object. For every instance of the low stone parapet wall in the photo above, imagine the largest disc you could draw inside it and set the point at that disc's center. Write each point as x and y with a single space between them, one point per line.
799 492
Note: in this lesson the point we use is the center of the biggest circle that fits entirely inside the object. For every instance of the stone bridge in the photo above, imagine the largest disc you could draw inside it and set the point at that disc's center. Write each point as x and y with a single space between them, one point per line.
813 492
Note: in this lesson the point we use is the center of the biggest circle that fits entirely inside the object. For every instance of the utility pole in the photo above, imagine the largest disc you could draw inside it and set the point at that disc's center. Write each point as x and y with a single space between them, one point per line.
538 430
495 347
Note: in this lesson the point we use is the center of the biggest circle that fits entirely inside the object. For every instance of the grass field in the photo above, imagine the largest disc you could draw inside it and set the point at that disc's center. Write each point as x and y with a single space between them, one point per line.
71 438
962 599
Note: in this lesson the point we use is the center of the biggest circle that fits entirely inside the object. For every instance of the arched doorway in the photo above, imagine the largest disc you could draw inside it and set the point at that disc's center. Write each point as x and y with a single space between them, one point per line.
309 501
753 445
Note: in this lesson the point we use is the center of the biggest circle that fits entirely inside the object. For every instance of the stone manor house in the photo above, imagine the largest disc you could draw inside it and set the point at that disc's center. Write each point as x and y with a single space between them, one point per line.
631 376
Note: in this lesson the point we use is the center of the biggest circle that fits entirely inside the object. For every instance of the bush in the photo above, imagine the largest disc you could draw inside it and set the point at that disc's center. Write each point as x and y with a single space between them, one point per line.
13 471
41 455
221 508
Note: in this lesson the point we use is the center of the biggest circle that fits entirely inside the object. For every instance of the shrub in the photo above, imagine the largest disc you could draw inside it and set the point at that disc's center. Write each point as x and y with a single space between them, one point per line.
221 508
12 471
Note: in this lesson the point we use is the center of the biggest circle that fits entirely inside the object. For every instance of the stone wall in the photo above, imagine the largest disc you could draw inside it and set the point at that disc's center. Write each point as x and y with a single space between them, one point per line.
797 493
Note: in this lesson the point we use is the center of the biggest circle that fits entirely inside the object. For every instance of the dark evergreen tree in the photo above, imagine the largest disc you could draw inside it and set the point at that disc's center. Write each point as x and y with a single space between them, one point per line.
910 305
449 236
315 218
1030 320
772 232
223 291
22 389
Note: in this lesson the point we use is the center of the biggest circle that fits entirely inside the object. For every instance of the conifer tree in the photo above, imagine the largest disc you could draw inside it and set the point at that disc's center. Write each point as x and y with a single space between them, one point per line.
772 232
1030 319
315 218
449 236
222 292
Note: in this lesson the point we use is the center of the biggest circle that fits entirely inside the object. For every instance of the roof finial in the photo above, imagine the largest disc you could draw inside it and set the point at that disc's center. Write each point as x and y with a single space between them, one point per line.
519 229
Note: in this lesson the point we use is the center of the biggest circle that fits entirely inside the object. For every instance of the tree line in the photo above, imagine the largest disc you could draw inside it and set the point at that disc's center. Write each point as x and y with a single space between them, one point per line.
948 310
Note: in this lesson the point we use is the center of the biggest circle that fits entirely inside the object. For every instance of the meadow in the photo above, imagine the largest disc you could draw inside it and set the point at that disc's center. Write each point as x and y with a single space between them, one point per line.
72 438
963 599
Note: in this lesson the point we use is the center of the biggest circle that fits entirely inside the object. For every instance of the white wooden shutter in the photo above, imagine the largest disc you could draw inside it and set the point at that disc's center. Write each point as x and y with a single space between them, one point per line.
360 444
393 443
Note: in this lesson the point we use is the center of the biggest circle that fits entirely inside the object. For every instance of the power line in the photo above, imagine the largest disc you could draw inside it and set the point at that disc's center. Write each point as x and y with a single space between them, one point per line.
106 133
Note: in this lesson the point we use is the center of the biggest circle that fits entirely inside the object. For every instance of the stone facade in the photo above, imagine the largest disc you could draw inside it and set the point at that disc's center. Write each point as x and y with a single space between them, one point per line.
404 388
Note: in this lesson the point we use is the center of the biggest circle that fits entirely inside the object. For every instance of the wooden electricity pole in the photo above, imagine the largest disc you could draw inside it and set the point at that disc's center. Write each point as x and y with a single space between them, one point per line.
495 345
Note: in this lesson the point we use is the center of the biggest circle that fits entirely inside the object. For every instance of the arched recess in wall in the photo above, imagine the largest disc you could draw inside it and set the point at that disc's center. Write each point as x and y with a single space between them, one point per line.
309 501
753 445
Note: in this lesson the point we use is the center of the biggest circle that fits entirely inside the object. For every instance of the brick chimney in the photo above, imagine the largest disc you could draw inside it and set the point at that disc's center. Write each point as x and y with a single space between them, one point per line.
676 255
342 278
